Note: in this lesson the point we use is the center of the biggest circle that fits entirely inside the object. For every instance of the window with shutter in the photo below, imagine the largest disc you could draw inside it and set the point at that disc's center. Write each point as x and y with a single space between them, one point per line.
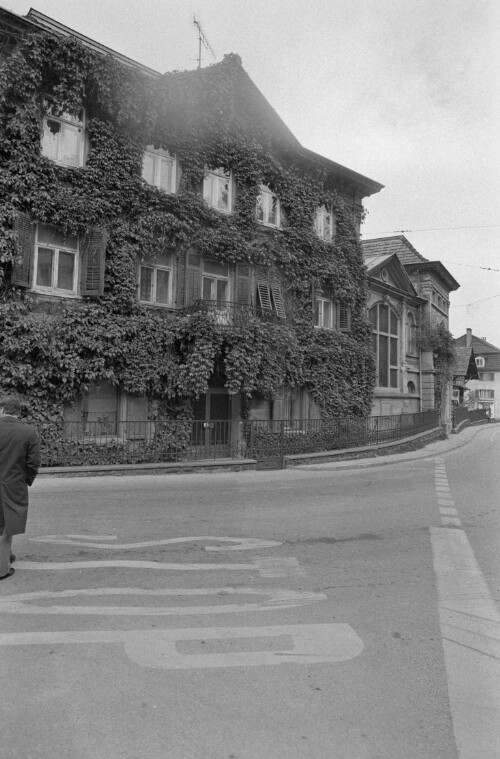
56 265
243 294
344 317
277 297
93 262
193 282
263 289
25 229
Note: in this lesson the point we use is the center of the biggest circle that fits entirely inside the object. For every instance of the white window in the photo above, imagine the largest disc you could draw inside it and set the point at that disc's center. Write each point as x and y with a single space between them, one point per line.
155 281
324 313
63 139
324 224
486 394
329 314
159 169
268 208
56 265
479 361
215 281
217 190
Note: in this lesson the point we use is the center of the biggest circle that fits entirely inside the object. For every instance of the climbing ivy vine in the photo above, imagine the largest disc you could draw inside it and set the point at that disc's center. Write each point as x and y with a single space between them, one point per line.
52 352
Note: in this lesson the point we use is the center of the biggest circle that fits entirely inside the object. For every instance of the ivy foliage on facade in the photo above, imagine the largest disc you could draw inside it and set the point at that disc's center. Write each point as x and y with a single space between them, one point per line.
53 354
440 341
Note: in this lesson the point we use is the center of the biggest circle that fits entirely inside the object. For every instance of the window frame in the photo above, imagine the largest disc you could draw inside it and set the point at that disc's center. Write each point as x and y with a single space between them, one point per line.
319 223
159 155
379 333
155 267
264 201
480 362
214 278
211 182
57 249
319 313
66 121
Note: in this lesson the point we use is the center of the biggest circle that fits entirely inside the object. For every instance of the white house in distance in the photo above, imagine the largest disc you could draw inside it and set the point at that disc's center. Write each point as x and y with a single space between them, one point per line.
485 391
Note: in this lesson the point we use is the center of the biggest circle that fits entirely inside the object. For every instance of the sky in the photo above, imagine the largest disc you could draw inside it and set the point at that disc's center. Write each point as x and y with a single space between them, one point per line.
405 92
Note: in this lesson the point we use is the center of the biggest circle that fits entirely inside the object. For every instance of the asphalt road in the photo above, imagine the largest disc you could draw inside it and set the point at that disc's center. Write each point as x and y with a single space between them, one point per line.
308 613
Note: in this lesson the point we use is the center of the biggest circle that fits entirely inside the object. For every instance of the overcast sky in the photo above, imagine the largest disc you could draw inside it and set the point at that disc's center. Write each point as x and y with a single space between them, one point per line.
406 92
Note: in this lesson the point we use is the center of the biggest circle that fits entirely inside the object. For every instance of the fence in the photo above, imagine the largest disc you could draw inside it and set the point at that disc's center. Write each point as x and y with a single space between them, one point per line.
91 443
461 414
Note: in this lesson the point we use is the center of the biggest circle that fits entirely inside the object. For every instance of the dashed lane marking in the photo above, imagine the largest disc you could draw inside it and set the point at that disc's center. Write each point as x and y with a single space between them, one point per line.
470 629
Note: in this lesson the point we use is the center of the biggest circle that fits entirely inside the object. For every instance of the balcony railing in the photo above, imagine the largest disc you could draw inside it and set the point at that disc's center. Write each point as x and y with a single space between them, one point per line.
229 312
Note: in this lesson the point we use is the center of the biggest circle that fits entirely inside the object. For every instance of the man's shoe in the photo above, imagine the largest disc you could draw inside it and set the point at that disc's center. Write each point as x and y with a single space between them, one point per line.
9 574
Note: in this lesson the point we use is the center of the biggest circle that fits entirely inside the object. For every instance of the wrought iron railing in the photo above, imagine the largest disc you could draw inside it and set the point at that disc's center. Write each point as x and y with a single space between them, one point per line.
230 313
463 414
88 443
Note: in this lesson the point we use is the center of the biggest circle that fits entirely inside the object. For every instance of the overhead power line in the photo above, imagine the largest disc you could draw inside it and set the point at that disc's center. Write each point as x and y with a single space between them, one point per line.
471 266
474 302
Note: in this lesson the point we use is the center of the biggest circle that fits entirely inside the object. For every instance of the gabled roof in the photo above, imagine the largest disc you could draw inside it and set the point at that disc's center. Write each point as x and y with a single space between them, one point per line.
489 352
387 271
465 363
479 344
409 257
253 107
395 244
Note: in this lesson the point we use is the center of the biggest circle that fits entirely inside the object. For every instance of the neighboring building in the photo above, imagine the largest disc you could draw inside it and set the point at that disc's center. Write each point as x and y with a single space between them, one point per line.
409 300
464 371
484 391
168 247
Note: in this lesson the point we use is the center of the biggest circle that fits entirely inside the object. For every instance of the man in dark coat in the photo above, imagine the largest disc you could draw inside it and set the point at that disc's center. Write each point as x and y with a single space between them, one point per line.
19 462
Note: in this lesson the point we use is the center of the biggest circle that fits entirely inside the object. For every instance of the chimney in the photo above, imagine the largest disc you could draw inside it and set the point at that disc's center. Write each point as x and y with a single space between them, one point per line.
468 339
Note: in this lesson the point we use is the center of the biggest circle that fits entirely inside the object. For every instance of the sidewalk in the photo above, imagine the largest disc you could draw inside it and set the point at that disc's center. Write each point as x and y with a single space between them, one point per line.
318 462
436 448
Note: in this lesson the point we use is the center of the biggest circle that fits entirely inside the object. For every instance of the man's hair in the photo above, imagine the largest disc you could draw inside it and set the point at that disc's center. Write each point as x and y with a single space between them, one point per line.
11 403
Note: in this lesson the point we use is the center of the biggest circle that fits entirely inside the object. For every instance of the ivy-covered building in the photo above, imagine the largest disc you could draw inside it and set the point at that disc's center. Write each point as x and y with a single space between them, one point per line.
408 309
168 249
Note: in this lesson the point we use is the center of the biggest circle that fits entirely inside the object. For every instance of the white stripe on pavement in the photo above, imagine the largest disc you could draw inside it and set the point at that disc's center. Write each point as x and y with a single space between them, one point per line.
470 628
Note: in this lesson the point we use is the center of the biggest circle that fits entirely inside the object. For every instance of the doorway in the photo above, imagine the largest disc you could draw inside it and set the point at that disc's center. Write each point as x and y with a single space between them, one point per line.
212 418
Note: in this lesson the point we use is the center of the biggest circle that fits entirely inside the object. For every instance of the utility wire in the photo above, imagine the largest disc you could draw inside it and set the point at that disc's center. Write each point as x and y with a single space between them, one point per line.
474 302
471 266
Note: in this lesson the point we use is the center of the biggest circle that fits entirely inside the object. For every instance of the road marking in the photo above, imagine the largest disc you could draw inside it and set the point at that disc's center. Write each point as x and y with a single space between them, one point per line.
106 541
470 628
277 598
266 567
207 648
447 511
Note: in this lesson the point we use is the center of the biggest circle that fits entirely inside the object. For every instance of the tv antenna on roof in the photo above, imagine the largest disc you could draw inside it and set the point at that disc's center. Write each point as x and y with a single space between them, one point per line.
202 40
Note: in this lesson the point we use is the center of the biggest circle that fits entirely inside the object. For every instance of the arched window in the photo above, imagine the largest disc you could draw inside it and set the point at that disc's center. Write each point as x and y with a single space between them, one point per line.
479 361
411 387
411 334
385 344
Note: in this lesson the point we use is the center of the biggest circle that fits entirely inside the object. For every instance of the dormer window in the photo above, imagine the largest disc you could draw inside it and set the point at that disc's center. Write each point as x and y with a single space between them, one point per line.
217 190
159 169
479 361
324 224
268 208
63 139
